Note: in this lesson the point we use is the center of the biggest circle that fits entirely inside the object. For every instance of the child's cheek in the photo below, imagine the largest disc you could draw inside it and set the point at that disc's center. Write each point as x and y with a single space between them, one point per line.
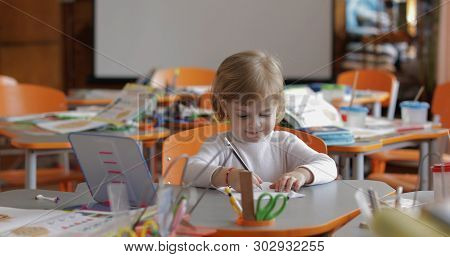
269 125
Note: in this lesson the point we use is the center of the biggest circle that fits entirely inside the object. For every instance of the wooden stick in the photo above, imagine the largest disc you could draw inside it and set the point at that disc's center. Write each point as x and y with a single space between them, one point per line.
355 81
419 93
248 209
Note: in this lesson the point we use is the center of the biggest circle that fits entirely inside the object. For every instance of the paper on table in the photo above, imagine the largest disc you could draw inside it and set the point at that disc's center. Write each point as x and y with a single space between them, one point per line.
22 222
404 203
20 217
265 188
133 100
365 133
199 90
67 126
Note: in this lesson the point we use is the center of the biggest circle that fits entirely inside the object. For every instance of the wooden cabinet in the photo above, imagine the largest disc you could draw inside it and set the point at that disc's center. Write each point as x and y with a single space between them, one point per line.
31 41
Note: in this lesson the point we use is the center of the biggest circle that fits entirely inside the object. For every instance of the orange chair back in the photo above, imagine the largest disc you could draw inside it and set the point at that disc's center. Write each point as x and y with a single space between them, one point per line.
7 81
26 99
190 141
441 105
205 101
369 80
188 76
374 80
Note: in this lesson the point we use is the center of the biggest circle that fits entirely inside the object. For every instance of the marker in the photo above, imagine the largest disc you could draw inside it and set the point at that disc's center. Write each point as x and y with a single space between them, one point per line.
398 197
373 200
234 203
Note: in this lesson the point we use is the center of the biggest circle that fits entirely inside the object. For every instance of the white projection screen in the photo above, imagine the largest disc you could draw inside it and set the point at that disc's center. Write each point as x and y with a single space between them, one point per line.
134 36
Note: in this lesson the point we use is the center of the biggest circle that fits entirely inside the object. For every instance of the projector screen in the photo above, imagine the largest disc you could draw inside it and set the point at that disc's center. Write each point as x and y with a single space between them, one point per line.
132 37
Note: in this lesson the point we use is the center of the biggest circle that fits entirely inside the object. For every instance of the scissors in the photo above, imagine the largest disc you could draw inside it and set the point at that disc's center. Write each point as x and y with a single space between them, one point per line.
267 212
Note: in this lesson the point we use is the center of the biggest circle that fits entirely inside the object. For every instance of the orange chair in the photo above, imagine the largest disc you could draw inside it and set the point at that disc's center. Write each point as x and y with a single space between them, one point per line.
187 76
189 142
205 101
374 80
7 81
440 107
26 99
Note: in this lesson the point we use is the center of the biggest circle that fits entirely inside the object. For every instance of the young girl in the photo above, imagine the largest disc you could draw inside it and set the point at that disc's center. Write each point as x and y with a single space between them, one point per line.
248 91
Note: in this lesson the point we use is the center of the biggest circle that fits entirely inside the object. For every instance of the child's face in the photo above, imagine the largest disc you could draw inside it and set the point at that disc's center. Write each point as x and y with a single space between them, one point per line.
253 121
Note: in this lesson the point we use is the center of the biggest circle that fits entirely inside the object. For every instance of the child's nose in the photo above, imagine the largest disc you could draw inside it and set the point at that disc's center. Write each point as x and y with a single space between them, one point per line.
255 123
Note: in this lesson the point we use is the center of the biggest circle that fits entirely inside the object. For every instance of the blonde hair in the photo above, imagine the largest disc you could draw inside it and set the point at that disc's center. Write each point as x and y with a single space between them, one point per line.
248 76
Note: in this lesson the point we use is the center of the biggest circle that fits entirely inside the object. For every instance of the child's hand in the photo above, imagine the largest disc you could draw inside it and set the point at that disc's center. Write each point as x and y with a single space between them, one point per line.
219 178
293 180
235 182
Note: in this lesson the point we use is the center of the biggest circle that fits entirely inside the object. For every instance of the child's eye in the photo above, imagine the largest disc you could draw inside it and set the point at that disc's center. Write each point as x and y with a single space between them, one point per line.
242 116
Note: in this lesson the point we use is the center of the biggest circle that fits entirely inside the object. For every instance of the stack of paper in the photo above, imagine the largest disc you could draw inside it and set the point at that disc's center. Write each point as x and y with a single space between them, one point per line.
133 100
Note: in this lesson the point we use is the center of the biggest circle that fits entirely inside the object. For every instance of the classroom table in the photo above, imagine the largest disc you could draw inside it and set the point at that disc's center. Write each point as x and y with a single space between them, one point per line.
376 98
425 138
353 229
361 97
87 97
323 209
37 142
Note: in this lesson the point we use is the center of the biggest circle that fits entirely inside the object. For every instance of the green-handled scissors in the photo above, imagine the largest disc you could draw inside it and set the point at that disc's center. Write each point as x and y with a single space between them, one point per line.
267 212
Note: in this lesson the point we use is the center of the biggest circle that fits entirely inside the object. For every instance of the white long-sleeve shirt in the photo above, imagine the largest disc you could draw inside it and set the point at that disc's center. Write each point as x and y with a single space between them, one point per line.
280 152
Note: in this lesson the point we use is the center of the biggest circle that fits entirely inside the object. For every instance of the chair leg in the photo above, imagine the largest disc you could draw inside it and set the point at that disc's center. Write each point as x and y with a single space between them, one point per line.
69 186
378 166
66 186
62 187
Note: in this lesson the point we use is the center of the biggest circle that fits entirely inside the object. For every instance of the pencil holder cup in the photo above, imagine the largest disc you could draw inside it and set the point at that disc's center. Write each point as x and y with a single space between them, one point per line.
441 181
414 112
254 223
354 116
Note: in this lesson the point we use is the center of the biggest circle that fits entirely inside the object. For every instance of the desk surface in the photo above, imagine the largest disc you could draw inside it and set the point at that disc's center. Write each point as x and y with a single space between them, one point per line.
376 96
323 209
371 145
24 199
352 228
32 138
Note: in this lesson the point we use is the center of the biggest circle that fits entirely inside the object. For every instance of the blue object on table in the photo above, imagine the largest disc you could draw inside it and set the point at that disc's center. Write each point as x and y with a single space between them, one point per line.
354 108
331 135
267 211
316 87
414 105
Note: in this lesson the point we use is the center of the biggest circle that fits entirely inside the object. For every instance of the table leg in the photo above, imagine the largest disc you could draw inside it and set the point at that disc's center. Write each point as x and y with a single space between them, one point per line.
344 167
30 169
64 162
358 167
377 109
423 170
